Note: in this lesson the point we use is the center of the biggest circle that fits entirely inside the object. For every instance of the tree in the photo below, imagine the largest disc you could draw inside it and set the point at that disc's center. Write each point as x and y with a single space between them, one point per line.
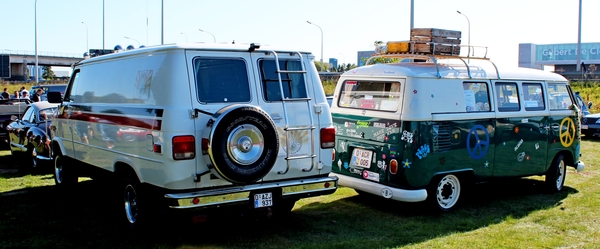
321 66
48 74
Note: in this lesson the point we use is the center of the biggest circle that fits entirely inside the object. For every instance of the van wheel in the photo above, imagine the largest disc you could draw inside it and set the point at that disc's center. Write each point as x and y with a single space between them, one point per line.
130 203
555 176
64 175
243 144
445 192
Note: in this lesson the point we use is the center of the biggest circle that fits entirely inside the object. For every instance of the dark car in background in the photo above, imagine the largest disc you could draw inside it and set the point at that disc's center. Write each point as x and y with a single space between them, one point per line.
49 88
30 136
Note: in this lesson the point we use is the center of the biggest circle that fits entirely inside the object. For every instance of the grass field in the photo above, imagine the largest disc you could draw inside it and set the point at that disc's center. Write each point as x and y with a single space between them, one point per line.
507 214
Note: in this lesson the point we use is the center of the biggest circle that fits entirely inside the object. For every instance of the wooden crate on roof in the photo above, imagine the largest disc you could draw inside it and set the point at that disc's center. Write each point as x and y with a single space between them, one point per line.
440 40
431 32
434 48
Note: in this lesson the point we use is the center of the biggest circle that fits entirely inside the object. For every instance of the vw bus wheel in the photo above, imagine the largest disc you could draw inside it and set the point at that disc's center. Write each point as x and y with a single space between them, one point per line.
555 177
445 192
244 145
64 175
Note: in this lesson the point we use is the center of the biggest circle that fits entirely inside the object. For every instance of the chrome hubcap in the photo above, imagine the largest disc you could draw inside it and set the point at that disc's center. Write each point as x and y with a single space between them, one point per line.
131 204
245 144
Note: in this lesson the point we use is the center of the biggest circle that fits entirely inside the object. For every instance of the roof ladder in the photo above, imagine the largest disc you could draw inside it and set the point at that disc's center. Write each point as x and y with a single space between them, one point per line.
288 130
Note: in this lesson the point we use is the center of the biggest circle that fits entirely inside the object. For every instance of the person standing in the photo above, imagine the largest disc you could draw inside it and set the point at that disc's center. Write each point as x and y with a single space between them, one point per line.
37 97
5 94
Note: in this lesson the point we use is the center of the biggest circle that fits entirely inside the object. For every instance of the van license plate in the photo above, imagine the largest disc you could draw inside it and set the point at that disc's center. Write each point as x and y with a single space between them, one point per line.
584 127
361 158
263 200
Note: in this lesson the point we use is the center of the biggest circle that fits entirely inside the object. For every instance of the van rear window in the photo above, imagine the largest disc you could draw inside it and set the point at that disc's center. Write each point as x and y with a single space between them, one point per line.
221 80
373 95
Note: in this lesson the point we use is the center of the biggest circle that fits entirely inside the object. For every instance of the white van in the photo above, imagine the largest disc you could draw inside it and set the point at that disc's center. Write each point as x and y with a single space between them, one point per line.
197 126
425 125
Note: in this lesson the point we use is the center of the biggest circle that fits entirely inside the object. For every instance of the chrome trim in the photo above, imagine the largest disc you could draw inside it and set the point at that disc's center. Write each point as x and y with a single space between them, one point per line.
236 194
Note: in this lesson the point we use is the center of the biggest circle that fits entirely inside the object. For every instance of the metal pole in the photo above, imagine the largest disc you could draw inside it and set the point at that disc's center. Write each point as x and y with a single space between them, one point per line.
186 40
37 82
214 39
138 42
469 37
162 22
103 47
412 14
87 43
321 42
579 41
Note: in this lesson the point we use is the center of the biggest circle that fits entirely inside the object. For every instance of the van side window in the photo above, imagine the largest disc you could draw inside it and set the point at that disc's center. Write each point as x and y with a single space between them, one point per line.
508 97
221 80
294 84
559 97
476 97
533 97
384 96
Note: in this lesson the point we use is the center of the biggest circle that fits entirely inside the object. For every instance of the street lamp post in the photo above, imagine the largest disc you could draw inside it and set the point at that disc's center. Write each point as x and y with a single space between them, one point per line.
133 39
321 41
37 82
469 37
214 39
186 40
87 44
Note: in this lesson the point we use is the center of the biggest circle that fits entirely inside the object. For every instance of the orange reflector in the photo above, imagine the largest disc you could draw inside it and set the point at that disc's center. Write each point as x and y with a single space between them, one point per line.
327 184
393 166
196 200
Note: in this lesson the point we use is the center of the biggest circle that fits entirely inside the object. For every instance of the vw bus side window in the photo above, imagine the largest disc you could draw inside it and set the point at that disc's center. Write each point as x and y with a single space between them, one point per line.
476 97
221 80
508 97
559 97
533 97
294 84
372 95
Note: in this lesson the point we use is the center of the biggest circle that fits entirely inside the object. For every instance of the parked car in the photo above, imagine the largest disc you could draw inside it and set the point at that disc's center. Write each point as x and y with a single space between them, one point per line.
30 135
49 88
8 109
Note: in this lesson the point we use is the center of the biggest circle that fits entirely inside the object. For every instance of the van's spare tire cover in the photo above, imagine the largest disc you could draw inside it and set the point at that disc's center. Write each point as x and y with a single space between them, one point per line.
243 143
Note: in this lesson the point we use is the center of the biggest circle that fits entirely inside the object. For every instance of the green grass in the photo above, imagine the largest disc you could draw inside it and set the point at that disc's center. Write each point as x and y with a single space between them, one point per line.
507 214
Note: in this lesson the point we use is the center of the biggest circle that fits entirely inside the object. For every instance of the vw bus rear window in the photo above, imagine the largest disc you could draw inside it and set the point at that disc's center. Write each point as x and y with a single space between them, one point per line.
221 80
371 95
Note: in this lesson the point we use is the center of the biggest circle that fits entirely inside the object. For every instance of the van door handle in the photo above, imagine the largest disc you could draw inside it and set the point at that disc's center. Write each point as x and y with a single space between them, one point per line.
555 127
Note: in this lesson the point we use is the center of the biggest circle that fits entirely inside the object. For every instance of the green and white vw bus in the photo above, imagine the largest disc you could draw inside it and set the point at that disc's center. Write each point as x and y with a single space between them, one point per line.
423 127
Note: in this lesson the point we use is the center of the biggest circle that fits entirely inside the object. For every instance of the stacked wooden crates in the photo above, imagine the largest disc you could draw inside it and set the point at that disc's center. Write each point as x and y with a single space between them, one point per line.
428 41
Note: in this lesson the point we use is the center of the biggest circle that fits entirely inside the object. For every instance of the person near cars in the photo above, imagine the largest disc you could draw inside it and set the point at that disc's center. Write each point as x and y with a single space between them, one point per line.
5 94
16 95
37 97
24 90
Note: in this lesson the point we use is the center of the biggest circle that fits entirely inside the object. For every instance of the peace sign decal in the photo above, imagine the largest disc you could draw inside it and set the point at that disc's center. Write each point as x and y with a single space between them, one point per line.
480 148
567 132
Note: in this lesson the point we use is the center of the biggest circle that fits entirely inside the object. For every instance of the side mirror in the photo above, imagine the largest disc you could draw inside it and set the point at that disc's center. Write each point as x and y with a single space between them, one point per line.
590 105
54 97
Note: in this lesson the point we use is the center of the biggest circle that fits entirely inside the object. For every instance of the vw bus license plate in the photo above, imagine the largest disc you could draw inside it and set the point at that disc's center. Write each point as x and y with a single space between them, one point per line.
263 200
361 158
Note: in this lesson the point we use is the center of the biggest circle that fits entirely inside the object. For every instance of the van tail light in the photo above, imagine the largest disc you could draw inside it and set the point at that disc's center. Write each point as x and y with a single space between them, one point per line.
327 138
184 147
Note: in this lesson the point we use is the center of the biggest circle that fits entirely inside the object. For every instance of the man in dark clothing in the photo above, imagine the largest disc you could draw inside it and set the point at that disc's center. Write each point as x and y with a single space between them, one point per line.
37 97
5 94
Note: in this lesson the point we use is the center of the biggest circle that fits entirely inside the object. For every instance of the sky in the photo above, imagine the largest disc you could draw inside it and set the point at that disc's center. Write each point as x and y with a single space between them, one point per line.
348 26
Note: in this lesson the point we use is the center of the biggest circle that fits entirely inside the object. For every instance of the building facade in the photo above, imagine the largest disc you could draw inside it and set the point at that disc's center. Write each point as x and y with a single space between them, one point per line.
563 57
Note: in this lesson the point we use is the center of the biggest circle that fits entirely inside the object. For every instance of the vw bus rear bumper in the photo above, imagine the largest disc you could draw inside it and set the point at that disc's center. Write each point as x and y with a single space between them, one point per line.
382 190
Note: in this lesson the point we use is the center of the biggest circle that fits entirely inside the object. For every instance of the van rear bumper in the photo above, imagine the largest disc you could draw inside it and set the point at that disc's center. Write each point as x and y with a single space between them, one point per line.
292 189
378 189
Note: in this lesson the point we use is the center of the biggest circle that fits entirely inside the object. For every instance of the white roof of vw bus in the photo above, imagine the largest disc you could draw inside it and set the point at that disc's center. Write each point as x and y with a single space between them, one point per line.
428 70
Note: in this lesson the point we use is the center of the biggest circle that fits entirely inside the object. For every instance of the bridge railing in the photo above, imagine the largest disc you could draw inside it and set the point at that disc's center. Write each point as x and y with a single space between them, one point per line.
40 53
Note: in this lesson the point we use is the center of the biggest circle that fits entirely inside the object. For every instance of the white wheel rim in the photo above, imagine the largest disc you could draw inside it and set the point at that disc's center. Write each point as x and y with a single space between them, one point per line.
560 174
131 204
58 171
448 191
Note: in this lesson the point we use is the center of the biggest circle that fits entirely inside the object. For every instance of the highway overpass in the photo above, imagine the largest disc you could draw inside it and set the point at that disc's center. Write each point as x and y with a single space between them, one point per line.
18 61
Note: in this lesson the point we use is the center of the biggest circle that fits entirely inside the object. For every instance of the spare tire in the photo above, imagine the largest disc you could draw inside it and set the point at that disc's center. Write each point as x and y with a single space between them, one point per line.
242 144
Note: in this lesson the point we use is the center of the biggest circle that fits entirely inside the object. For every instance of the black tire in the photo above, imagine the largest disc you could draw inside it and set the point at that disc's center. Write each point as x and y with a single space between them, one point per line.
243 144
445 192
556 174
65 175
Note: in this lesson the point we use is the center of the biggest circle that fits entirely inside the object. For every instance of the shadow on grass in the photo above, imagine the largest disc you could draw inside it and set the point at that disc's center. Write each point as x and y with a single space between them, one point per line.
87 217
